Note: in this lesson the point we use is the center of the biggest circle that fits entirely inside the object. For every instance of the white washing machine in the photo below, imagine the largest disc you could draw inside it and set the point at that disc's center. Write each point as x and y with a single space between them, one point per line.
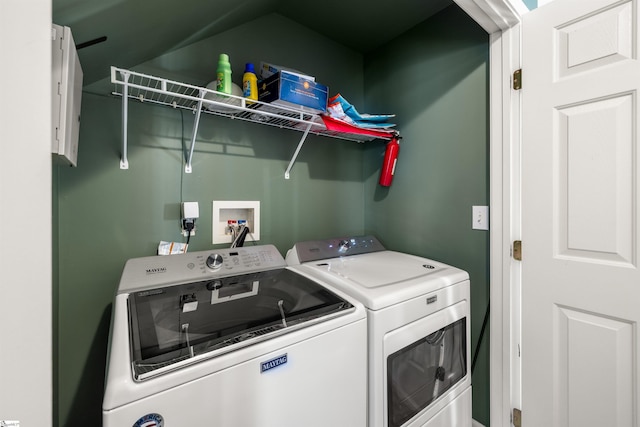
233 338
419 328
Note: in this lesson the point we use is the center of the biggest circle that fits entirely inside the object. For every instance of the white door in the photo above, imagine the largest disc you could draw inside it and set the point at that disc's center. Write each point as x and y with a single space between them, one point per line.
581 216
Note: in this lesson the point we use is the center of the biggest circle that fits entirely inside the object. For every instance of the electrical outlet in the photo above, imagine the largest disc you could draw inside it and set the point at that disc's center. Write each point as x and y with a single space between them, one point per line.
480 218
190 212
188 224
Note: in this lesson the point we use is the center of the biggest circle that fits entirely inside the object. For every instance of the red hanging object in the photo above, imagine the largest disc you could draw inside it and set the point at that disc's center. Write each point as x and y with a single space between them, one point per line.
389 163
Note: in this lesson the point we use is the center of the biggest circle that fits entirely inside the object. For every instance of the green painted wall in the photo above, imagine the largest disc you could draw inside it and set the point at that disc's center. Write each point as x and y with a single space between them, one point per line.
435 79
105 215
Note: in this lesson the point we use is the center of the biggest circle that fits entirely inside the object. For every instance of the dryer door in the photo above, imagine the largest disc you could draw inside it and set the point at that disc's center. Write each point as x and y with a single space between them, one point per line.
424 361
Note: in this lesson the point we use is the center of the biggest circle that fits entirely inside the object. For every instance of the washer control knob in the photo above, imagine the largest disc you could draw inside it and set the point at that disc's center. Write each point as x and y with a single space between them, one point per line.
214 261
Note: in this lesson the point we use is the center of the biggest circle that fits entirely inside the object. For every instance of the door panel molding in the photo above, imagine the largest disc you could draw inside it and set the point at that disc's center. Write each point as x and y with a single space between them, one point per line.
594 150
594 349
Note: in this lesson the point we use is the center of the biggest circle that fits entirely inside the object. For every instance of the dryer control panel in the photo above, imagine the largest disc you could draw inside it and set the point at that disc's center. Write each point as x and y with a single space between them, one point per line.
315 250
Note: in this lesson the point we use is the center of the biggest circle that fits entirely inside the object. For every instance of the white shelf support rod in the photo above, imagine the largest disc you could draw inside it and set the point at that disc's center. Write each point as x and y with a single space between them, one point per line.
124 162
295 154
198 112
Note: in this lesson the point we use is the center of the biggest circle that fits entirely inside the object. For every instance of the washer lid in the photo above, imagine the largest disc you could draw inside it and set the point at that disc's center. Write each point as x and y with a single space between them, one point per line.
381 279
172 326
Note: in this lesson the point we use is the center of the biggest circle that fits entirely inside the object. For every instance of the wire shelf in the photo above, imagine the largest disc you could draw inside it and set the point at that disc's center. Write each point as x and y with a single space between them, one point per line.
132 85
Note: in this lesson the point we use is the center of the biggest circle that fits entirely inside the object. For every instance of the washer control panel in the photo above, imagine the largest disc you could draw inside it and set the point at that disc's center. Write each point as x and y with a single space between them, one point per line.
240 260
172 269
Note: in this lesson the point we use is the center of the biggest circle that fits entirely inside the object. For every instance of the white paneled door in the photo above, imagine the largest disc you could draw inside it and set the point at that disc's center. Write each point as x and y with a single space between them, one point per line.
580 220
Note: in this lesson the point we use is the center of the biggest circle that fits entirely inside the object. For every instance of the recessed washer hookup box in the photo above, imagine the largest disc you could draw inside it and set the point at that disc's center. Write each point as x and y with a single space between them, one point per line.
291 90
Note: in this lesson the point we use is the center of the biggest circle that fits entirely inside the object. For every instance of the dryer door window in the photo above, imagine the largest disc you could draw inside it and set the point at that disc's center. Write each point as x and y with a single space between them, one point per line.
424 370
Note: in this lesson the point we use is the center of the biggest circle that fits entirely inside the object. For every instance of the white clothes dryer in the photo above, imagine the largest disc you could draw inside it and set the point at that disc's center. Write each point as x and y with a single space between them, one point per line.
233 338
418 323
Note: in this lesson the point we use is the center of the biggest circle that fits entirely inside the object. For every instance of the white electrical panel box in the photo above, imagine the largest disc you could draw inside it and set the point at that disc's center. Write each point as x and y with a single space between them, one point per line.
231 210
66 88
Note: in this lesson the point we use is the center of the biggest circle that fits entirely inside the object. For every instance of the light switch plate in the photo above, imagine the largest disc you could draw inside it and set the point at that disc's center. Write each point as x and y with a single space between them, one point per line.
480 218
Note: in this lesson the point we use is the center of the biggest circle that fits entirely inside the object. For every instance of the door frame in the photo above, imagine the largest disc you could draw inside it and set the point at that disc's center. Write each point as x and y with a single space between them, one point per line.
501 20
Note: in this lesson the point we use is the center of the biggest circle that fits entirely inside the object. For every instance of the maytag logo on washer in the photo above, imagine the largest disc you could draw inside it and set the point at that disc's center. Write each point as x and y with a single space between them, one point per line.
156 270
273 363
150 420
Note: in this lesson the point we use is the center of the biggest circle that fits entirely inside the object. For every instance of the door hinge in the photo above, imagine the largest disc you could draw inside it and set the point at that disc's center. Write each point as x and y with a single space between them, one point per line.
517 250
517 79
516 417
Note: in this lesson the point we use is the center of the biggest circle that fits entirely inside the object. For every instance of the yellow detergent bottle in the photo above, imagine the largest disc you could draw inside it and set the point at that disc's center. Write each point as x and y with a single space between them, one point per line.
249 82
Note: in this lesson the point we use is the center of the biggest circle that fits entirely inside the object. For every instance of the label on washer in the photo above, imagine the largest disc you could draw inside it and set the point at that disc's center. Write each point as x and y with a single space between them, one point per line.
150 420
273 363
